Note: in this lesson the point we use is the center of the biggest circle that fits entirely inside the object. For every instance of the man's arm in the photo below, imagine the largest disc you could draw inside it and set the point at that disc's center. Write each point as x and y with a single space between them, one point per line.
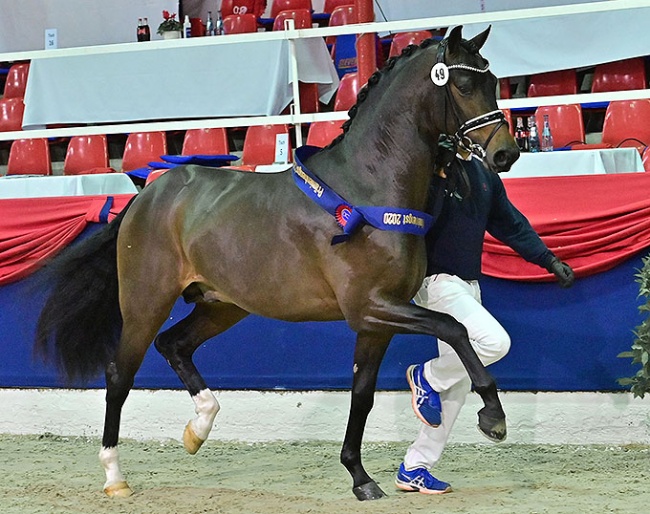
507 224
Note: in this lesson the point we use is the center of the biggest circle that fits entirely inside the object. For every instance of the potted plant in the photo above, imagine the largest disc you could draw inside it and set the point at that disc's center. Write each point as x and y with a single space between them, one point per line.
640 352
170 28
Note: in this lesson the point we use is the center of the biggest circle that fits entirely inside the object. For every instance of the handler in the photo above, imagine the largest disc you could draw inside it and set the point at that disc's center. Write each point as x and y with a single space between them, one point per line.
474 201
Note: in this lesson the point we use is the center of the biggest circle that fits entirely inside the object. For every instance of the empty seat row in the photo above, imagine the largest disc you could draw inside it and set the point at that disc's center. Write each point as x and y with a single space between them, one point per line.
626 124
624 75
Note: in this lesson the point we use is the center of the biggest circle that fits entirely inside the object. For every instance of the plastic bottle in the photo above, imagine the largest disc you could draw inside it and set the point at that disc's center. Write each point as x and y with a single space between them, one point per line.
187 27
218 24
209 25
547 137
146 36
533 135
521 135
140 32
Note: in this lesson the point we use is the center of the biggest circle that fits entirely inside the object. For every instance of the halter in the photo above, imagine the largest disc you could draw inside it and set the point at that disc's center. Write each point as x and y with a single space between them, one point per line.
440 77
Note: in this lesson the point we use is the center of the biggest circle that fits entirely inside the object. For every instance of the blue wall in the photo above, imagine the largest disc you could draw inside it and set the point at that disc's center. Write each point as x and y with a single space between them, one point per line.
563 340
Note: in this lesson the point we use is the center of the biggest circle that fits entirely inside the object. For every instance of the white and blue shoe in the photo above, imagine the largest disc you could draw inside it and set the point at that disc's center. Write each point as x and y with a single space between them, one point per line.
420 480
425 401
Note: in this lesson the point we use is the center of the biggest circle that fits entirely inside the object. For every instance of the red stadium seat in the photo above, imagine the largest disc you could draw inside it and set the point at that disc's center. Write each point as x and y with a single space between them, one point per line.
153 175
619 76
346 94
404 39
87 155
566 122
563 82
239 24
508 115
286 5
11 114
330 5
254 7
342 15
142 148
322 133
206 141
16 81
259 144
645 157
300 17
29 157
504 89
627 123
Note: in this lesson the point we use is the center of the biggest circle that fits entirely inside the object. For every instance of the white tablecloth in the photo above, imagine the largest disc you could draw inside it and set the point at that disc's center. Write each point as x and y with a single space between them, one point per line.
526 46
75 185
576 162
180 82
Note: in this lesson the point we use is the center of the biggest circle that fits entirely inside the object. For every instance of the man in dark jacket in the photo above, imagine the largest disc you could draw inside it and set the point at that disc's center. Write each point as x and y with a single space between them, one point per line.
473 200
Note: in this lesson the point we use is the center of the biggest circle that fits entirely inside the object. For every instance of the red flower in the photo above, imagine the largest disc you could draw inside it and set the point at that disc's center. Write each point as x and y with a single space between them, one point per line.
167 15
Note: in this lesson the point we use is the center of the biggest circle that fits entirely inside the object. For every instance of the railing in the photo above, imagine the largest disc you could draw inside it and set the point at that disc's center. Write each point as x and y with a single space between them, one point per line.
296 117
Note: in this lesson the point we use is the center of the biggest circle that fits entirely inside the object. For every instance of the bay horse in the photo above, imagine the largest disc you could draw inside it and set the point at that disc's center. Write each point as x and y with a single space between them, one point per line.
234 243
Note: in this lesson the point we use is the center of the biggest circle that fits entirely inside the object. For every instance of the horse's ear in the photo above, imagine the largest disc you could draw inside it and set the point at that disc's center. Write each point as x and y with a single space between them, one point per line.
479 39
454 39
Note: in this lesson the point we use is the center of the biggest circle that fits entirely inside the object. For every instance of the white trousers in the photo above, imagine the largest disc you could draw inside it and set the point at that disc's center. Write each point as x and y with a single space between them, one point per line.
446 373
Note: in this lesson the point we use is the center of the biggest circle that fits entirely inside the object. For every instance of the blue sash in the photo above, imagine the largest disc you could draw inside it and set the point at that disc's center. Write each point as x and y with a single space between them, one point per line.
351 217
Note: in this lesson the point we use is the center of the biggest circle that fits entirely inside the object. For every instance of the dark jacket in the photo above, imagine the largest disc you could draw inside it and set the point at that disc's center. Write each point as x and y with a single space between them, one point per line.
455 242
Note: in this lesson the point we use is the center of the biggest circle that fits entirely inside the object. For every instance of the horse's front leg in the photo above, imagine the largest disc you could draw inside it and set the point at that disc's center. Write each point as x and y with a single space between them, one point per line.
368 354
412 319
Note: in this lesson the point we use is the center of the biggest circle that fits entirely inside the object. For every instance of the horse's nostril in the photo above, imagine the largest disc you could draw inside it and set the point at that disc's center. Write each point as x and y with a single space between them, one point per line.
504 159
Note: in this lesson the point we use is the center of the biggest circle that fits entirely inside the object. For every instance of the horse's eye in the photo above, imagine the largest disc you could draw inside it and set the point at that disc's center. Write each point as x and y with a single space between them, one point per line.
465 89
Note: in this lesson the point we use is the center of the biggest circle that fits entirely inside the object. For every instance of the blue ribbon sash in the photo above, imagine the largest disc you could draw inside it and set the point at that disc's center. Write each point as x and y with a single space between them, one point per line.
351 217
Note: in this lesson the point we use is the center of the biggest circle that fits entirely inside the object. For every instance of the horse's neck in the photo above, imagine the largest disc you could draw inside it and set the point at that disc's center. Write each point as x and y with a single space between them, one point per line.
387 164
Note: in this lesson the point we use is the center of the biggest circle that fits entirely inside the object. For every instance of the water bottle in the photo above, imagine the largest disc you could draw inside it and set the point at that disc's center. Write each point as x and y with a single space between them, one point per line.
187 27
521 135
533 135
218 24
547 137
209 25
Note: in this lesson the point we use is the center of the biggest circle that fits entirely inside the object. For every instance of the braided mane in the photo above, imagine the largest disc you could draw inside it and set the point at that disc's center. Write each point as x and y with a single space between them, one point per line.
374 80
407 51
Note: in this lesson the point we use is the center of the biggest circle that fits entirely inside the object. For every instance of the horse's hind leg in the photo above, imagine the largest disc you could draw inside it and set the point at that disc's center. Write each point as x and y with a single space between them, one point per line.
368 354
178 344
137 334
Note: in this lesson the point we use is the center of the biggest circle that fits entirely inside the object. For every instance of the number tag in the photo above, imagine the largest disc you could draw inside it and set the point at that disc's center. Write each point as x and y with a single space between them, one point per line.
440 74
51 39
282 148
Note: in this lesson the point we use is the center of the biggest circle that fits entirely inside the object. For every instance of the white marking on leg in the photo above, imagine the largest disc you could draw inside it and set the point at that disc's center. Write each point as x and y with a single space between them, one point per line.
110 460
206 409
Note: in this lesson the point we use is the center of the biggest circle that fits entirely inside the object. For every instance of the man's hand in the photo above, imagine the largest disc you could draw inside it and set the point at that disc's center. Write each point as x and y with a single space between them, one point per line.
562 271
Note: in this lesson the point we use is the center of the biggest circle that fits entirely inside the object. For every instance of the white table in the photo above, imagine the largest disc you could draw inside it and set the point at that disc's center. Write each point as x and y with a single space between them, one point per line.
249 78
74 185
576 162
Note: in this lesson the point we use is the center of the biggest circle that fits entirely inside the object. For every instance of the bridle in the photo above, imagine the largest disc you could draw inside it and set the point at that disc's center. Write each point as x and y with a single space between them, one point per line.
440 77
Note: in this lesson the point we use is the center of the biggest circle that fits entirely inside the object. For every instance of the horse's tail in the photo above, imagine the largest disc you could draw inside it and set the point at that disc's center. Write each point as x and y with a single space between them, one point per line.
80 324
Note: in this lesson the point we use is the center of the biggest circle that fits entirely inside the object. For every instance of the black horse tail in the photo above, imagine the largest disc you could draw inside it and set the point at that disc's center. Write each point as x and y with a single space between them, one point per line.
80 324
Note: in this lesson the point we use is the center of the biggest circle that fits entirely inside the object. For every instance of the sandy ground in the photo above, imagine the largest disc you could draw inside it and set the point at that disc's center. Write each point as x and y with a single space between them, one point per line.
51 474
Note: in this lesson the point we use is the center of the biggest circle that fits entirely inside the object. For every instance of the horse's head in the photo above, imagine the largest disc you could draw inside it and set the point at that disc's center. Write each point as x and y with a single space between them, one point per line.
470 112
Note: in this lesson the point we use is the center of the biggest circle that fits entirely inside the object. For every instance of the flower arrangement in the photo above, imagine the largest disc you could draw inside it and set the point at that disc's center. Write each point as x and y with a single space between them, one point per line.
170 23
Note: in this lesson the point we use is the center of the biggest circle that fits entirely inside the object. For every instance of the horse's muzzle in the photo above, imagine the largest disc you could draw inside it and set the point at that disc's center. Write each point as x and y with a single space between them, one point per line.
503 159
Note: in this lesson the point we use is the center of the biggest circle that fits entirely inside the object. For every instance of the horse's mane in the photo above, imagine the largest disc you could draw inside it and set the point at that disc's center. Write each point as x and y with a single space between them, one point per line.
376 77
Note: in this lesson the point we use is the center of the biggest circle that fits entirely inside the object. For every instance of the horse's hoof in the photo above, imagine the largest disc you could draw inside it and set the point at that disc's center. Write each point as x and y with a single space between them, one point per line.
118 490
369 491
494 429
191 441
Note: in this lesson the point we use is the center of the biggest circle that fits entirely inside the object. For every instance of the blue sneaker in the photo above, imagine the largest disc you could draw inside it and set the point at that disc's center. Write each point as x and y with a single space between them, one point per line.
425 401
420 480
